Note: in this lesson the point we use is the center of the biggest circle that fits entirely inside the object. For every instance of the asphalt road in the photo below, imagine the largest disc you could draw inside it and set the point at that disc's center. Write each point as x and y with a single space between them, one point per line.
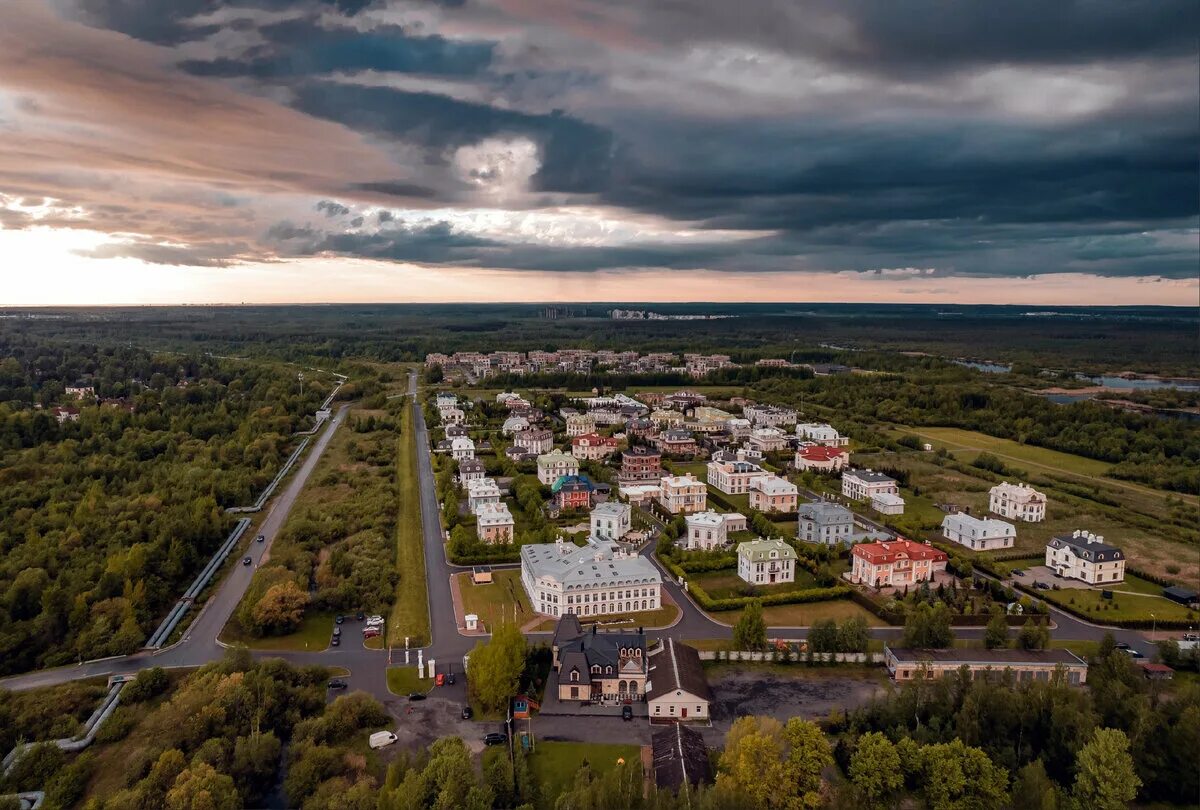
368 667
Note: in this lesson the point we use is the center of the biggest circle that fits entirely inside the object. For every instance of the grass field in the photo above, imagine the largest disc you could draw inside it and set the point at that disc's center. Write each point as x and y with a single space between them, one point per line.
495 601
313 634
645 618
806 615
554 764
410 612
404 680
726 583
1121 606
958 439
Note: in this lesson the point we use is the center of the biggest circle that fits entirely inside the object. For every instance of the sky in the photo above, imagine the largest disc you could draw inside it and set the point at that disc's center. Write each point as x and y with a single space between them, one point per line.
225 151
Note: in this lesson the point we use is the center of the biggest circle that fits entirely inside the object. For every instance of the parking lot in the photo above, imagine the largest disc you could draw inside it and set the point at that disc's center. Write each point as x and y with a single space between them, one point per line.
1042 573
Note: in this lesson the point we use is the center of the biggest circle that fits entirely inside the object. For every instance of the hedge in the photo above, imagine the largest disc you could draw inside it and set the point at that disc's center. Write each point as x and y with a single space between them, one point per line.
481 559
790 598
704 566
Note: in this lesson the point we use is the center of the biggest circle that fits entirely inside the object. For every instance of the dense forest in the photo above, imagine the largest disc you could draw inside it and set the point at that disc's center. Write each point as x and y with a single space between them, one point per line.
103 520
1158 340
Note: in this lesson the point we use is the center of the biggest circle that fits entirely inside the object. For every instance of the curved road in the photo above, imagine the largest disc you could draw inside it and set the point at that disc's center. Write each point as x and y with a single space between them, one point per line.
368 667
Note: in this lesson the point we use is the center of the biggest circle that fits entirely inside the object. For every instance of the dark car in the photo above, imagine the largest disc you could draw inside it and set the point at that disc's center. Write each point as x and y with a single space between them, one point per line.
1017 572
495 738
1134 654
467 714
416 695
339 619
337 683
1122 645
262 538
627 713
335 642
1041 586
247 561
450 679
360 615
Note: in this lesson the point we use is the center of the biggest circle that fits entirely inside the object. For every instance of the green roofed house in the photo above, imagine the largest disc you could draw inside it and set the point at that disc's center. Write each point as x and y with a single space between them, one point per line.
766 562
555 464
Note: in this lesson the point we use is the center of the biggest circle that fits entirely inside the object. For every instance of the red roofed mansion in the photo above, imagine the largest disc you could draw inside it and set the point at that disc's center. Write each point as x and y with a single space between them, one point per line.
895 562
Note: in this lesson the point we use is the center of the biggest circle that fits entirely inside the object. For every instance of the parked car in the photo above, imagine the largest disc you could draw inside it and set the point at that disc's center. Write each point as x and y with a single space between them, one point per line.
260 539
337 631
1122 645
337 683
495 738
381 738
339 619
626 713
371 632
335 642
416 695
1041 586
360 615
1191 636
376 619
247 561
1134 654
1017 572
467 714
450 679
440 680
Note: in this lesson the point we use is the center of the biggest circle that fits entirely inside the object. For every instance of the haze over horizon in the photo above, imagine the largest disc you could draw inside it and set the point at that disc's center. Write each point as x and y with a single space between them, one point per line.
330 151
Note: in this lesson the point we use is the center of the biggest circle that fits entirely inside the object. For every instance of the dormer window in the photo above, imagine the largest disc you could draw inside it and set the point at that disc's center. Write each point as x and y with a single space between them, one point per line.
608 670
575 676
595 669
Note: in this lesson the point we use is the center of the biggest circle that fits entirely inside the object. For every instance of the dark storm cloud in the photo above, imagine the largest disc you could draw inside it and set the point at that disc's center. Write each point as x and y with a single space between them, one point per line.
575 155
301 47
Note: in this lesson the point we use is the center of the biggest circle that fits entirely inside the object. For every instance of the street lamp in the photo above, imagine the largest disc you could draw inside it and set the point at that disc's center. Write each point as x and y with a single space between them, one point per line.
1153 624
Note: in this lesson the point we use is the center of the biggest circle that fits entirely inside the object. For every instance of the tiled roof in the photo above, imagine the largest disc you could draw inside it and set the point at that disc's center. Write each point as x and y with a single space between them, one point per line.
888 551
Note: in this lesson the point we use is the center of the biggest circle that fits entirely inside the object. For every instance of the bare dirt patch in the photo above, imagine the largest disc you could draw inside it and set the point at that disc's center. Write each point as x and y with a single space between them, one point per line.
797 691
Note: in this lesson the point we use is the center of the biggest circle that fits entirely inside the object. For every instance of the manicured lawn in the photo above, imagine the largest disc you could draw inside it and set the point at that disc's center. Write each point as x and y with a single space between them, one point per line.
403 680
740 503
1139 585
1084 649
726 583
644 618
554 764
313 634
495 601
958 439
696 468
1121 606
410 612
806 615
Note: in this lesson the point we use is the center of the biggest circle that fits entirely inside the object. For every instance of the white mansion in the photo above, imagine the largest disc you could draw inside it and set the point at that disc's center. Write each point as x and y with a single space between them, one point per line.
594 580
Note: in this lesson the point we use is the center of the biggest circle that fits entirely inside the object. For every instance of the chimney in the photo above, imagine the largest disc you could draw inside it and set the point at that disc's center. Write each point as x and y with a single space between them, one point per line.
641 631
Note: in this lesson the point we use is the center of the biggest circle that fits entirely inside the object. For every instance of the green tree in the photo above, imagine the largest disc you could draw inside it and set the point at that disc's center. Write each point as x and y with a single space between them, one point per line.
1033 789
281 608
808 754
255 759
853 635
875 769
996 634
1034 635
750 632
201 787
494 670
148 683
823 637
928 627
956 776
1104 774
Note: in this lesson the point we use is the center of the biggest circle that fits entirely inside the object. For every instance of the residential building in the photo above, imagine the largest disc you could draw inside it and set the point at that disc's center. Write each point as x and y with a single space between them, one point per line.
733 477
608 669
821 458
1085 556
1017 502
65 414
1025 665
554 465
535 441
895 562
611 520
708 530
462 448
641 494
677 689
676 443
821 433
454 431
738 427
980 534
824 522
573 492
766 561
683 494
494 523
593 446
860 485
580 423
679 757
770 493
453 416
641 427
445 400
663 419
887 503
641 464
80 390
767 439
481 491
471 469
769 415
593 580
514 424
683 400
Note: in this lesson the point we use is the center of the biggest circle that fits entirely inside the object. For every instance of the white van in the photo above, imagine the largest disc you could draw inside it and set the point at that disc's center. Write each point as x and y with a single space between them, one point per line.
381 738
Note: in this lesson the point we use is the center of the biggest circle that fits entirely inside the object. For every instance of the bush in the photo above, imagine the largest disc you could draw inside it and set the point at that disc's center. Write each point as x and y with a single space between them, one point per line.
148 683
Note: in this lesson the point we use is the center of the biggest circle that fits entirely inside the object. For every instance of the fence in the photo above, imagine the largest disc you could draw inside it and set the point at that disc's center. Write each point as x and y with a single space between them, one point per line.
776 656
